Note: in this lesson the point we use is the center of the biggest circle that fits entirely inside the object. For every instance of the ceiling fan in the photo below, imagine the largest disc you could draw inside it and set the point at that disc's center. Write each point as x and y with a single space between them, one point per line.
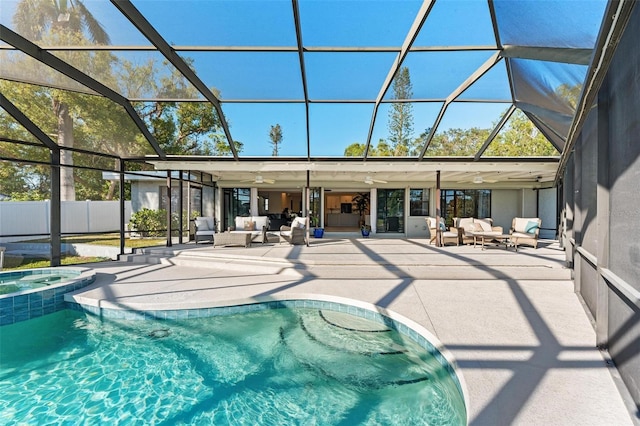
259 179
370 181
478 179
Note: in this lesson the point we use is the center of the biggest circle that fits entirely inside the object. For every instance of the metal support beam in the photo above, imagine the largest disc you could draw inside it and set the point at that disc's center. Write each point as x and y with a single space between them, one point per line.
25 122
122 208
169 242
438 211
420 19
149 31
495 132
55 215
563 55
432 132
303 72
614 22
58 64
180 206
603 223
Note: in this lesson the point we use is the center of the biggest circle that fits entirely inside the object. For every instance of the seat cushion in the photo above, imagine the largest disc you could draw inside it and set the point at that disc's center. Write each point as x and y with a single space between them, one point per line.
517 234
202 224
299 222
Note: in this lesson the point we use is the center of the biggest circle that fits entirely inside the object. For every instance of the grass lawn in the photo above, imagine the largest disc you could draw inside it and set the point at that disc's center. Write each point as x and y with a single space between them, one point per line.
14 263
110 240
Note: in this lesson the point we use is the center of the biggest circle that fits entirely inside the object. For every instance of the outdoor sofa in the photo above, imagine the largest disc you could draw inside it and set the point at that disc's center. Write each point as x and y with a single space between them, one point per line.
255 226
467 226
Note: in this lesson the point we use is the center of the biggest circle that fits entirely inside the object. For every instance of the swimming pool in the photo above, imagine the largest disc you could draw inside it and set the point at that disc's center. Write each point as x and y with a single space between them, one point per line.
31 293
266 366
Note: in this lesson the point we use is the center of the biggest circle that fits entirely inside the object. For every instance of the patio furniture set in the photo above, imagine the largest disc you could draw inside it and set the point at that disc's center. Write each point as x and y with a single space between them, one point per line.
250 229
481 232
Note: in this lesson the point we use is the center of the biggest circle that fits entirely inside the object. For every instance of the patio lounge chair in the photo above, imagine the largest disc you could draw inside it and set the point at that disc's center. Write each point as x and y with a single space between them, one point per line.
294 234
204 229
525 230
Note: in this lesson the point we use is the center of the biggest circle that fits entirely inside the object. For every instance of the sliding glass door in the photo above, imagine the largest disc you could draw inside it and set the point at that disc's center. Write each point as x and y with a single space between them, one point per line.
390 210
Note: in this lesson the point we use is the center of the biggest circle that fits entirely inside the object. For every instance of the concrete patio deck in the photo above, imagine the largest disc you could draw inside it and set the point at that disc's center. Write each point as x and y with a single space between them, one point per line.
523 343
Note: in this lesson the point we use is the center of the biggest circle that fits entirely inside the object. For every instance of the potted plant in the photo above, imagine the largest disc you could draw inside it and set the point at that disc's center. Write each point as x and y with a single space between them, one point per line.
361 201
315 222
365 230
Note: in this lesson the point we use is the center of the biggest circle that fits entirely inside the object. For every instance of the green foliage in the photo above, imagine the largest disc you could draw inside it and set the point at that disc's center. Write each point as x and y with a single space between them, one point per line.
354 150
152 223
361 201
520 138
457 142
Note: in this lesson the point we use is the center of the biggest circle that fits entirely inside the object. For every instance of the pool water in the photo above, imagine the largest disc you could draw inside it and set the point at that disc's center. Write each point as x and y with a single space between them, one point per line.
12 282
270 367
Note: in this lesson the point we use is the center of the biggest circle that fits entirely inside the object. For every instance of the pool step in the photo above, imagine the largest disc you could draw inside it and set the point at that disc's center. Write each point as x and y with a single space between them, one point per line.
381 361
210 260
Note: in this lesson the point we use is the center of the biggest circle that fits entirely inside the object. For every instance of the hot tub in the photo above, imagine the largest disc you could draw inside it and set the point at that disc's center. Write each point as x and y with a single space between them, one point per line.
31 293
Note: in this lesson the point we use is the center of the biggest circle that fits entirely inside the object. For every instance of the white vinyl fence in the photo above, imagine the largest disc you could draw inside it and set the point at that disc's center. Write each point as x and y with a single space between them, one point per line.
32 217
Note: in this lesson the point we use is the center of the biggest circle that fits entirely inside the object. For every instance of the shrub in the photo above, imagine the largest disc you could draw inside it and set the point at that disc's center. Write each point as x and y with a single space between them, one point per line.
149 223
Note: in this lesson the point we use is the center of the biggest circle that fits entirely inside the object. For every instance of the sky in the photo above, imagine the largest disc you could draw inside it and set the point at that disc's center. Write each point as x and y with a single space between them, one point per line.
355 76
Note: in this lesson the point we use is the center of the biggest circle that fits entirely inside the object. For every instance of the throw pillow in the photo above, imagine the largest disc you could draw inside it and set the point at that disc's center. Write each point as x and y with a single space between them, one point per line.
201 224
442 226
477 227
249 225
484 226
531 227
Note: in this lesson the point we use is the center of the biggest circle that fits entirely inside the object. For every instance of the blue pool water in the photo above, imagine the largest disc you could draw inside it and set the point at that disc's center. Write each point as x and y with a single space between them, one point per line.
271 367
15 281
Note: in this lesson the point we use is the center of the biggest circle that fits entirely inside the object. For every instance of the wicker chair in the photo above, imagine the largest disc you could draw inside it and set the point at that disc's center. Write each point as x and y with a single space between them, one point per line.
525 231
296 233
446 235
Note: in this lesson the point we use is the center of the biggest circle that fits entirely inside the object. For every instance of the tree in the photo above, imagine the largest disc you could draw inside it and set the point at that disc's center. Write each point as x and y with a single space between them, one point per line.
520 138
191 128
356 149
401 114
275 134
60 21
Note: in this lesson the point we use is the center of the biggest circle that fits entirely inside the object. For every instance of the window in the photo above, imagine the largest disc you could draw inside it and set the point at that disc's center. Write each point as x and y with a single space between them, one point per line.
465 203
418 202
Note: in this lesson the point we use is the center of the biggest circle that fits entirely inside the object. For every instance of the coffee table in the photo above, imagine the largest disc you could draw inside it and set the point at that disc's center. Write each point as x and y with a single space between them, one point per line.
498 239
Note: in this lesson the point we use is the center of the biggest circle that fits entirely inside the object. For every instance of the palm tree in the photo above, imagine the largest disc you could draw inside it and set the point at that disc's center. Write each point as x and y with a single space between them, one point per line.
60 20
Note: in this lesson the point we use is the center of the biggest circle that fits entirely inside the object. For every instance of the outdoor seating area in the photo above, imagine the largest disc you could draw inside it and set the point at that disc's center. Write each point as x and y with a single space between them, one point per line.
468 226
469 230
